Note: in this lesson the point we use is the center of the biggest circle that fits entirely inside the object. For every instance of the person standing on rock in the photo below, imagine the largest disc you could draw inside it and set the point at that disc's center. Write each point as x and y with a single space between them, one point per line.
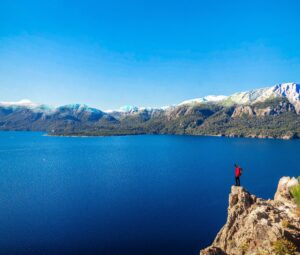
238 173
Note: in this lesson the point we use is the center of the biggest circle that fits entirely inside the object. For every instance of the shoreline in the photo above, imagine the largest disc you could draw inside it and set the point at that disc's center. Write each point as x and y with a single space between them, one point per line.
219 135
285 137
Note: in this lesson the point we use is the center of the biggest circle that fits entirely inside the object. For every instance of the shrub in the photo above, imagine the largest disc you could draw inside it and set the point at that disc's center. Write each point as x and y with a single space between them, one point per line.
284 247
285 223
263 253
231 243
244 247
295 190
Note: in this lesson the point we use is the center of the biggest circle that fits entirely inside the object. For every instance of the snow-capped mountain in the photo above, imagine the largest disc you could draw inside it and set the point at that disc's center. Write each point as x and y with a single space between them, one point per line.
125 109
21 103
290 91
29 105
252 96
135 109
128 110
77 108
210 115
206 99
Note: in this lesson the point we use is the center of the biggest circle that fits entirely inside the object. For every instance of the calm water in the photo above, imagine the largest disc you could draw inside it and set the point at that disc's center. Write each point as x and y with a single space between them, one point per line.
127 195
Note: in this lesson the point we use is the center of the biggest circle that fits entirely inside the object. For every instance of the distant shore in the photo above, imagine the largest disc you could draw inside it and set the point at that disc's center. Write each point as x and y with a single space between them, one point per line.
286 137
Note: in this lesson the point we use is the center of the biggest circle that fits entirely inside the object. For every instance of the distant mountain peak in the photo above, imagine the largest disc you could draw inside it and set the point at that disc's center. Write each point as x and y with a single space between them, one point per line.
134 109
124 109
289 90
128 108
22 103
75 106
78 108
277 117
206 99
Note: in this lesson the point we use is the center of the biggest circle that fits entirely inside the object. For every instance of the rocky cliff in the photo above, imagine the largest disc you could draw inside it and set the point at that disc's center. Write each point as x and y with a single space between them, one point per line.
259 227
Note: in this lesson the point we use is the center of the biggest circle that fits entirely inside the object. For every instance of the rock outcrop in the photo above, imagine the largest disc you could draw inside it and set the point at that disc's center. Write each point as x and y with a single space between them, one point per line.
259 227
243 110
274 110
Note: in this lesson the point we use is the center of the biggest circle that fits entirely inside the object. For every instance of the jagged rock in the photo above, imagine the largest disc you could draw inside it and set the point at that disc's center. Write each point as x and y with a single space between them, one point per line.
289 135
281 107
254 224
249 110
242 110
263 112
213 251
283 194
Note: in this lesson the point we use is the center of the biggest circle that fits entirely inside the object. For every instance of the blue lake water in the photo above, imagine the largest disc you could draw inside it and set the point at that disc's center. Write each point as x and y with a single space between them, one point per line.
127 195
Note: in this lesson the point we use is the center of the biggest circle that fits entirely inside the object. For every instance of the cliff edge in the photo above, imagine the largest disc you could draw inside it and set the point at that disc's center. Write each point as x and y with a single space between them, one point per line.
259 227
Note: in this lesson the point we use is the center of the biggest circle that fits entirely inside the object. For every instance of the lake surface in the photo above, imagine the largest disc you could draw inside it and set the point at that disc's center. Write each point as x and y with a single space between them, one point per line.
127 195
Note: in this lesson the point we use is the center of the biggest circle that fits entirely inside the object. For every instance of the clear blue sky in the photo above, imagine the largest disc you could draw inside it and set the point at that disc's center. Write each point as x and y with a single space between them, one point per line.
144 52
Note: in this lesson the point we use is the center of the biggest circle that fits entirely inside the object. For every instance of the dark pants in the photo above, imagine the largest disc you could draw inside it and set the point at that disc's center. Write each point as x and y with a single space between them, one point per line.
237 181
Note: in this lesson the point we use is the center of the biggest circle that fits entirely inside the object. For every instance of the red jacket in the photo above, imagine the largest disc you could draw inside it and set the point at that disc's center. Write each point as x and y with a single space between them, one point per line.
237 171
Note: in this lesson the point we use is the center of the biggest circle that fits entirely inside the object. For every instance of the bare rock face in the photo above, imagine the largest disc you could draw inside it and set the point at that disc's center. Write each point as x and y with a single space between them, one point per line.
263 112
213 251
250 110
242 110
254 225
283 194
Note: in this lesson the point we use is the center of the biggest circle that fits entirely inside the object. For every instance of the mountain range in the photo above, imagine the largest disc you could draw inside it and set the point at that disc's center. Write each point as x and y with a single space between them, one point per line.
271 112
